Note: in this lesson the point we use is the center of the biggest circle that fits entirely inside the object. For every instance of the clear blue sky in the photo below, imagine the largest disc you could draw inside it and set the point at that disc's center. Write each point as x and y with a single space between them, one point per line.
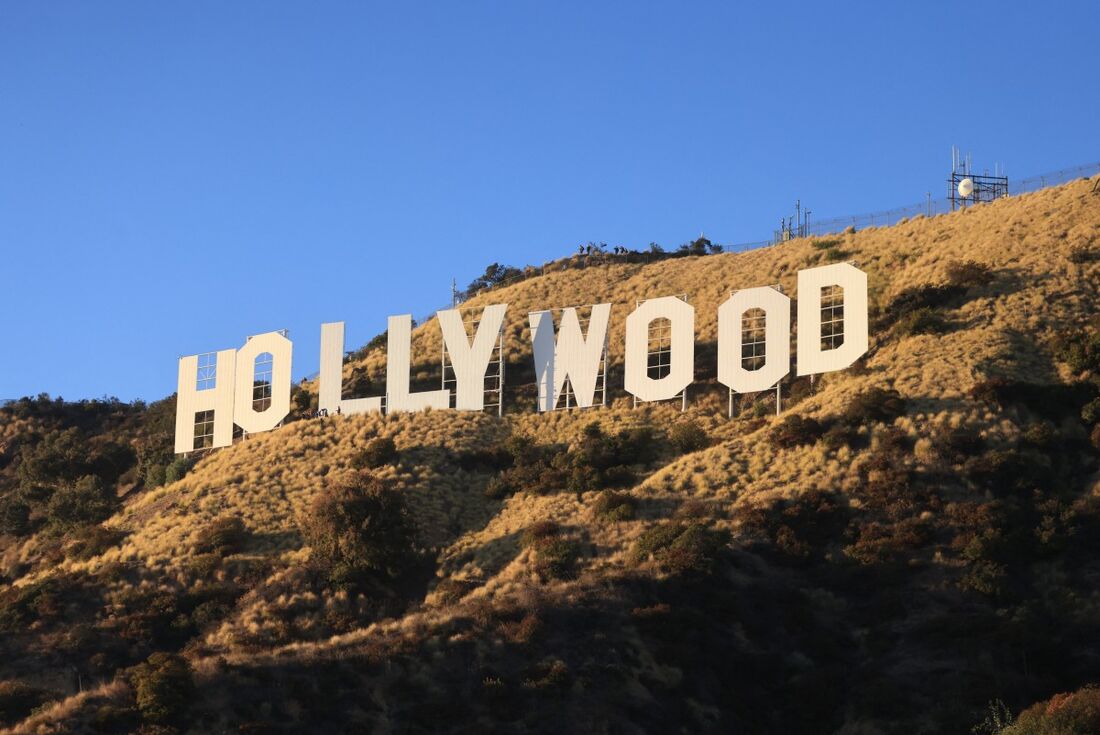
343 161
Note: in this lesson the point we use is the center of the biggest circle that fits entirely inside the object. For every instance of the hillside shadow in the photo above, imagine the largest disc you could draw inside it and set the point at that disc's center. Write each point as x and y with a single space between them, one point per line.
272 541
490 557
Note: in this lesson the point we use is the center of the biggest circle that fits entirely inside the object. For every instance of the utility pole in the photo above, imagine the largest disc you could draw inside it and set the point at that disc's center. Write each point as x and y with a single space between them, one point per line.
454 293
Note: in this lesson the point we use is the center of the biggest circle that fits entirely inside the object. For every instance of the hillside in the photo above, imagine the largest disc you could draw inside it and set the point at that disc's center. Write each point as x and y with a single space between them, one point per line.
909 540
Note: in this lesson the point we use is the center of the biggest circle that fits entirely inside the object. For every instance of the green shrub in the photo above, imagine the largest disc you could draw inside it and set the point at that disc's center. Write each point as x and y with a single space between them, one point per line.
655 539
378 452
879 543
537 532
922 321
875 404
362 525
968 273
680 547
802 526
922 297
958 444
155 475
694 550
225 535
207 613
583 477
688 436
794 431
613 506
176 470
85 501
839 435
499 488
92 541
60 457
556 558
1076 713
15 516
204 565
163 687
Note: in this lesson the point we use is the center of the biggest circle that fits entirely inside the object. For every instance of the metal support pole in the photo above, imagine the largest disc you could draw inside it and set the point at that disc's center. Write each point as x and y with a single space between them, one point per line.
604 392
500 383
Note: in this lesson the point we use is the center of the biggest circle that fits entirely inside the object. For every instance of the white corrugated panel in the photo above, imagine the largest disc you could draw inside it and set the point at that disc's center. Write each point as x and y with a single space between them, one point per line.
470 361
682 358
812 359
398 360
573 356
777 340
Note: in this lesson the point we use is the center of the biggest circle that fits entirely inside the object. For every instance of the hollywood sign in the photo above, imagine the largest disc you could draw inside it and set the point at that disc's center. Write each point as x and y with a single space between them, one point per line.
250 386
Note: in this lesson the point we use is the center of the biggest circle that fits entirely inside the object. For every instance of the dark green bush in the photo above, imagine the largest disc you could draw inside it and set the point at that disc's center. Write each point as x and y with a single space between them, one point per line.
688 436
360 524
922 297
207 613
537 532
555 556
223 536
176 470
875 404
155 475
958 444
204 565
614 506
968 273
794 431
694 550
378 452
803 526
1052 400
499 488
582 478
922 321
60 457
85 501
1006 472
92 541
163 687
495 275
840 434
15 516
680 547
879 543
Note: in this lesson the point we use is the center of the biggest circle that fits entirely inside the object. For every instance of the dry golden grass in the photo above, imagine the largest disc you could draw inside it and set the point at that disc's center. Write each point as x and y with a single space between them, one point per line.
269 478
